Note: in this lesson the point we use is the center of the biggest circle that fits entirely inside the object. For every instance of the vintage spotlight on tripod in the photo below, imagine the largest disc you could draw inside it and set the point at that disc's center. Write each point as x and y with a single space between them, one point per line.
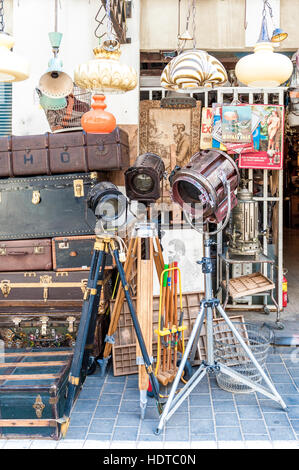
206 188
108 204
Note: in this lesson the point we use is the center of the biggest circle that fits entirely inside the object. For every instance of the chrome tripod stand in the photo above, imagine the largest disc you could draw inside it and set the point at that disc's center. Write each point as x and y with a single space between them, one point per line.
211 365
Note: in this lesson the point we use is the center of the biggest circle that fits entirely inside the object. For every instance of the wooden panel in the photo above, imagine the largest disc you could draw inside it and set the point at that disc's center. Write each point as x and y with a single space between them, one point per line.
37 353
249 285
5 365
29 377
27 422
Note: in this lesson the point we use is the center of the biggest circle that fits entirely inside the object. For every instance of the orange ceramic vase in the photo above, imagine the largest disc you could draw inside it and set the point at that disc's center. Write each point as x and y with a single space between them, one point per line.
97 120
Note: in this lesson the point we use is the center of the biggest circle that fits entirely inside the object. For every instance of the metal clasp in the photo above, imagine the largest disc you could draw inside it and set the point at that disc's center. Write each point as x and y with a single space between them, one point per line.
78 188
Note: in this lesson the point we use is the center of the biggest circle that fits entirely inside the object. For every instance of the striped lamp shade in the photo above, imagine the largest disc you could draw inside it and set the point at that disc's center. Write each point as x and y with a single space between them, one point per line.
193 70
5 109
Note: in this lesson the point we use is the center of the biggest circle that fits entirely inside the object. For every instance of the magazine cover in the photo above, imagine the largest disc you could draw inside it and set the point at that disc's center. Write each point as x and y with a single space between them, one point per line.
236 124
267 139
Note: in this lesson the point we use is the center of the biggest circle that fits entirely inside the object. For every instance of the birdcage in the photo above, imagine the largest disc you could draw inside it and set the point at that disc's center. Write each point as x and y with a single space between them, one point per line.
69 117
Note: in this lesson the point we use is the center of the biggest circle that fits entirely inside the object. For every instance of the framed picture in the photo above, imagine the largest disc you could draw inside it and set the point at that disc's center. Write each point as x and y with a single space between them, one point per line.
268 133
173 134
236 124
186 247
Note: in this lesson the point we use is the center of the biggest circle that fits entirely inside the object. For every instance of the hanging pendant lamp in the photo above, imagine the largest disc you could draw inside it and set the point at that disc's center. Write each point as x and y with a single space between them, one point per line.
192 70
13 68
104 74
265 68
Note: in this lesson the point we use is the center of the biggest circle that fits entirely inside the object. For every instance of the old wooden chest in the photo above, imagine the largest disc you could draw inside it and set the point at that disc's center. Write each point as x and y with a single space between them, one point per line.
33 386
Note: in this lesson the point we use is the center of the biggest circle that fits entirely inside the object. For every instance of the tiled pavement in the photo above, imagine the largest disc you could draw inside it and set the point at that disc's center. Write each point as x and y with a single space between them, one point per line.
107 415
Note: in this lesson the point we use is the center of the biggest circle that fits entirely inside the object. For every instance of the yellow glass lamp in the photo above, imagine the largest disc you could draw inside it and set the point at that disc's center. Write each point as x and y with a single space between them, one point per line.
13 68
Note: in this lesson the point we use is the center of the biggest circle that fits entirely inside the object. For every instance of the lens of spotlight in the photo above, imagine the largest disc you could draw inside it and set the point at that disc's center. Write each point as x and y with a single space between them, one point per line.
106 201
143 179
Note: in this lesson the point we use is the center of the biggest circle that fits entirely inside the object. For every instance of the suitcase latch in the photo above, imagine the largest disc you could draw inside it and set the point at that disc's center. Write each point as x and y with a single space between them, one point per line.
5 287
2 251
71 321
17 321
44 321
84 285
64 245
78 188
38 406
35 197
102 148
38 250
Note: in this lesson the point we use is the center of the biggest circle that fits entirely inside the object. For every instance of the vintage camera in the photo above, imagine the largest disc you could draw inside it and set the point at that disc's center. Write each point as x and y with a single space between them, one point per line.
143 179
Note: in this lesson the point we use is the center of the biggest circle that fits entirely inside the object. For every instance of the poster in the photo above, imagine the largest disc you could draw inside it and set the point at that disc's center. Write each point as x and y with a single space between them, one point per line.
206 128
267 139
186 247
236 124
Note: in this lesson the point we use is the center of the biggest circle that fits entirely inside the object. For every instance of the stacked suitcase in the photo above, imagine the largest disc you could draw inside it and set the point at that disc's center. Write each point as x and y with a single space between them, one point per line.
47 231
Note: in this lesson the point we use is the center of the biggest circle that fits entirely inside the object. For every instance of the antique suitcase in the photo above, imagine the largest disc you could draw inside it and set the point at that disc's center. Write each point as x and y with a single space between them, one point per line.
67 152
112 150
40 288
26 255
73 253
46 206
33 385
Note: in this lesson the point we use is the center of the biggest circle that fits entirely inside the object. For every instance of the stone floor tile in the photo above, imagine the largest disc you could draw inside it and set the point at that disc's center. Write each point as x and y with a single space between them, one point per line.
177 434
151 437
258 444
228 434
203 437
144 444
201 426
102 425
112 399
43 444
200 412
148 426
256 437
245 398
203 399
80 419
253 426
223 406
287 389
99 437
231 445
96 444
204 444
249 412
85 405
125 433
114 388
295 425
178 419
174 445
281 433
128 420
77 432
70 444
276 419
124 444
90 394
281 378
226 419
17 444
286 444
107 411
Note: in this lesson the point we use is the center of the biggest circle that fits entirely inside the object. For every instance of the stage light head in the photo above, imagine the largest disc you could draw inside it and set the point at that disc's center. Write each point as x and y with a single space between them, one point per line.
106 201
200 188
143 179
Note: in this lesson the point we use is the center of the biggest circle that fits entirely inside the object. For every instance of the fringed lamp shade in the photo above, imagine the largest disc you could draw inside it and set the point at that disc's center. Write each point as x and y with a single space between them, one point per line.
193 70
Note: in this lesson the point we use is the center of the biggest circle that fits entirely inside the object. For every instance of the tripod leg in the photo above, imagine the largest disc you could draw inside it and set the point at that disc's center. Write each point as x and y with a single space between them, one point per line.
118 305
87 308
249 353
195 344
146 359
178 376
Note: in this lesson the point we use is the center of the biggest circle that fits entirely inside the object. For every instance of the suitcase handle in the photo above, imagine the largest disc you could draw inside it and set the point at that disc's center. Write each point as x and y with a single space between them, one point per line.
17 253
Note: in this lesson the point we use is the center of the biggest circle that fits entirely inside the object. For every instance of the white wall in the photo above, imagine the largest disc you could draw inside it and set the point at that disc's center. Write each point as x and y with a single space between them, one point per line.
32 20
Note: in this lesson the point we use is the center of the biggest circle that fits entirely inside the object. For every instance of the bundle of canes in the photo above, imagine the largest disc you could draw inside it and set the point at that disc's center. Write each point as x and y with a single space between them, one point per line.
169 332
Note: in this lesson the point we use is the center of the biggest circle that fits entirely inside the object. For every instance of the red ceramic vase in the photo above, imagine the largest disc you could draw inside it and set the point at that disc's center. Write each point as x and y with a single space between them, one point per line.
97 120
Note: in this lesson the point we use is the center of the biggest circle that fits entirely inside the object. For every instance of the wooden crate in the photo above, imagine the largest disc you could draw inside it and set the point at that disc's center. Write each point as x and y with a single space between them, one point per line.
124 349
248 285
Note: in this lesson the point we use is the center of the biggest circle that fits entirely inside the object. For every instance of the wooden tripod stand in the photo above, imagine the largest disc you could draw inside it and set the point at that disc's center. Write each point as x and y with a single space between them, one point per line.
145 246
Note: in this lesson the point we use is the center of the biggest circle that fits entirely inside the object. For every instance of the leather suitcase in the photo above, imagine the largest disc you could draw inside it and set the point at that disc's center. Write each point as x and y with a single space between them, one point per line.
26 255
74 253
67 152
46 206
33 384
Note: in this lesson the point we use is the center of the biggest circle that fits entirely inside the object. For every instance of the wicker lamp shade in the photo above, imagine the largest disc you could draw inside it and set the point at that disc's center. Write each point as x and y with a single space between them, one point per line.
105 74
193 70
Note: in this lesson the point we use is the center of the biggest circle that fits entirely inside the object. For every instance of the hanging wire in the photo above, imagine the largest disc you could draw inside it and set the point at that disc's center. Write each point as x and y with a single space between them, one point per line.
1 16
194 24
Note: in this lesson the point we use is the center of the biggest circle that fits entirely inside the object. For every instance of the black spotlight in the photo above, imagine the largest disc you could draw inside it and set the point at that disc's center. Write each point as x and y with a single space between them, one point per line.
106 201
143 179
